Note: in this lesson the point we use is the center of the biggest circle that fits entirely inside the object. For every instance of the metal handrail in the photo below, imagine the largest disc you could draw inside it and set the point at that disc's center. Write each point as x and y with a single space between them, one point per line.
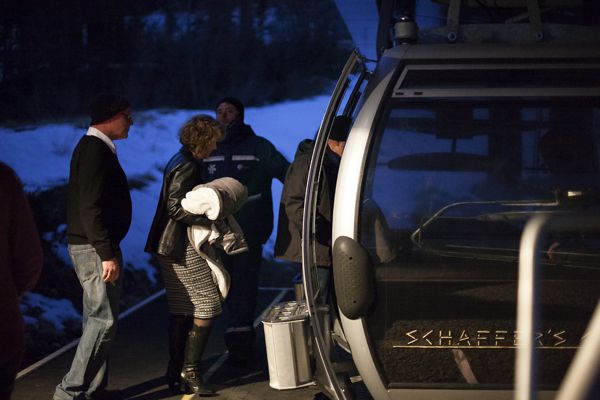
533 237
585 366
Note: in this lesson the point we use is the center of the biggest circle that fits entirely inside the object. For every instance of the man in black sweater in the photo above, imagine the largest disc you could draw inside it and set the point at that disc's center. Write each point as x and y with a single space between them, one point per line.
98 218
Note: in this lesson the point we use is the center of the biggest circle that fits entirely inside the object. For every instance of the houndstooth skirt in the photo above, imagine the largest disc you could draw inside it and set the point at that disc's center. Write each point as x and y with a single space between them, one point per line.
190 286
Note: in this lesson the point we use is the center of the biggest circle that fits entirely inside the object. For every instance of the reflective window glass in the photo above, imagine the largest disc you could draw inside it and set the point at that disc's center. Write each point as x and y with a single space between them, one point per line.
449 186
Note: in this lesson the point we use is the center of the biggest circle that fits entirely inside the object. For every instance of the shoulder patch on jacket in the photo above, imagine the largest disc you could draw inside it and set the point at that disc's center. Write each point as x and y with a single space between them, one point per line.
248 157
213 158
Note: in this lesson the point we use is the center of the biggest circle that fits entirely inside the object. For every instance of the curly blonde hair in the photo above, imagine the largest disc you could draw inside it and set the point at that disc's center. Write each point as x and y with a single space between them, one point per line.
198 132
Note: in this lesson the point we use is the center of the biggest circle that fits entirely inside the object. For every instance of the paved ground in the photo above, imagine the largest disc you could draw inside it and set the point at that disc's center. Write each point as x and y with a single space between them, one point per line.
139 357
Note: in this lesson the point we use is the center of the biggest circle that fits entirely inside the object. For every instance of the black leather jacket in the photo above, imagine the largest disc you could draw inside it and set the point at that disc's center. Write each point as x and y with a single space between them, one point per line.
168 236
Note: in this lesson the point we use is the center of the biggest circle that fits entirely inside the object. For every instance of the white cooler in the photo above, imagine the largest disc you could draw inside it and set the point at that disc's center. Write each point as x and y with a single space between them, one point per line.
286 338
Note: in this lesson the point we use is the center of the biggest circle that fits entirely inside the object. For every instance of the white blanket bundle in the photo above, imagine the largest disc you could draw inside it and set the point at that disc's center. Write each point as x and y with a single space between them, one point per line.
217 200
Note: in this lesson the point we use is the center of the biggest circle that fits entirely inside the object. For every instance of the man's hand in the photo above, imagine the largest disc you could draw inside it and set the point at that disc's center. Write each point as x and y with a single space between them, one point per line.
110 270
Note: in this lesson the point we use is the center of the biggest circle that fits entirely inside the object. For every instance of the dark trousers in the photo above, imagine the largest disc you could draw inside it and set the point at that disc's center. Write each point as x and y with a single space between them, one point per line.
8 372
240 305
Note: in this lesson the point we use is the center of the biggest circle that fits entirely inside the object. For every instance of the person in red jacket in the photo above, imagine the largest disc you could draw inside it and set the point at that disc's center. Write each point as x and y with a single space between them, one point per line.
20 267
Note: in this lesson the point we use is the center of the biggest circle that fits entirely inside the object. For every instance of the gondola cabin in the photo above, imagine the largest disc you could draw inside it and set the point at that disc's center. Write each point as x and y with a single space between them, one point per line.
461 135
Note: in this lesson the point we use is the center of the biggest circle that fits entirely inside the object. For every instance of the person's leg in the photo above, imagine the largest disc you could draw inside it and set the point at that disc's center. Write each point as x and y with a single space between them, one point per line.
201 289
180 319
179 327
241 303
194 348
9 367
88 373
324 275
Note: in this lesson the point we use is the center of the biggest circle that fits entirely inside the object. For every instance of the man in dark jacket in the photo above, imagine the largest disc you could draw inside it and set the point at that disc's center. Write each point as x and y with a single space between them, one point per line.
288 245
253 161
20 267
98 218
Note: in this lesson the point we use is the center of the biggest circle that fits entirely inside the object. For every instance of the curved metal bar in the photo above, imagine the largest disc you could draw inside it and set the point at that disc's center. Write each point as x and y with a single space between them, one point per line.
585 366
527 302
308 227
527 307
415 236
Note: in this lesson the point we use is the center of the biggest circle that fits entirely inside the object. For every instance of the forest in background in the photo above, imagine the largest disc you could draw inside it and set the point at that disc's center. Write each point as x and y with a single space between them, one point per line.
164 53
55 55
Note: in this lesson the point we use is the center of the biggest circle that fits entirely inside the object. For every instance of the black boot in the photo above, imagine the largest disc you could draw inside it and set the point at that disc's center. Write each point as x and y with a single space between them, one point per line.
190 374
179 326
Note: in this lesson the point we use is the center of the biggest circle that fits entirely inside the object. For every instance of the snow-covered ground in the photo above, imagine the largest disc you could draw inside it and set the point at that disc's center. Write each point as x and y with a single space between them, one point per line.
40 155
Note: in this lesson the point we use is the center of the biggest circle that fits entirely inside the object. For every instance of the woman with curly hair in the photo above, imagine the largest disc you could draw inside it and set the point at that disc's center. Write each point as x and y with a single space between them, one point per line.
192 295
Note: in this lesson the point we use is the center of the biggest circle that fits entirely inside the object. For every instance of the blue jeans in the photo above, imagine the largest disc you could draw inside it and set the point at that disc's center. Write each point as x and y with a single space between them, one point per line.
88 373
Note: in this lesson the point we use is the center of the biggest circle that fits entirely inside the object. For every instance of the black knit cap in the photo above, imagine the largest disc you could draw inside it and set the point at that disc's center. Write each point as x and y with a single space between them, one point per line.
340 128
105 106
239 106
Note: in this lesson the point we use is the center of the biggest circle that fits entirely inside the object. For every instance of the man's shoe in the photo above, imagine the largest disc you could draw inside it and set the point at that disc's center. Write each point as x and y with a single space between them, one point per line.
108 395
238 361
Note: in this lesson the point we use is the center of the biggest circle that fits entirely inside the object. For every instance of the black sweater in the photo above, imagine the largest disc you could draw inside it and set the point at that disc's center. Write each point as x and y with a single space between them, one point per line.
99 208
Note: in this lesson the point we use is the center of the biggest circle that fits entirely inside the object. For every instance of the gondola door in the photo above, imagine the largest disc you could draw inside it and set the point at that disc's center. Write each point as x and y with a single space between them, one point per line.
343 101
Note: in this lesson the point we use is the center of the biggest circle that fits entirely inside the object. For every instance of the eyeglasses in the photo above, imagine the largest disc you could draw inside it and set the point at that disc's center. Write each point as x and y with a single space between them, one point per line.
128 116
